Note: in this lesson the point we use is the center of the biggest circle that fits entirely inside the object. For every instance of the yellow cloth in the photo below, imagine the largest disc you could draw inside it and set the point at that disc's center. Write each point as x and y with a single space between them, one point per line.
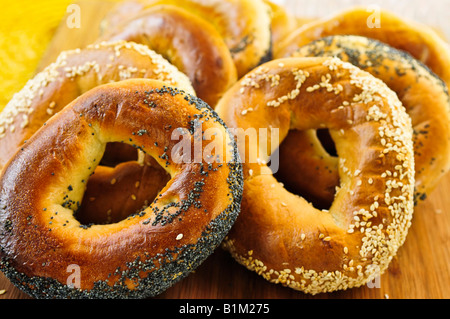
26 28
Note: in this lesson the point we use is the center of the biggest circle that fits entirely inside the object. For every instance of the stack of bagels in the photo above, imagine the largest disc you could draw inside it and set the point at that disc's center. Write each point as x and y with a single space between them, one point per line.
98 200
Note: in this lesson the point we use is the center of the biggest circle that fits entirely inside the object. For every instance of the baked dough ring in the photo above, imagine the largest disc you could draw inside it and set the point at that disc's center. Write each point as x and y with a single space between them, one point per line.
423 94
419 40
280 235
73 73
144 254
243 24
188 42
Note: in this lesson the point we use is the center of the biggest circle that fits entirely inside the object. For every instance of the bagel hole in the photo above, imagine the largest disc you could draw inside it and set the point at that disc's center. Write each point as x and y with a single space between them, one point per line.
299 179
124 184
117 153
327 142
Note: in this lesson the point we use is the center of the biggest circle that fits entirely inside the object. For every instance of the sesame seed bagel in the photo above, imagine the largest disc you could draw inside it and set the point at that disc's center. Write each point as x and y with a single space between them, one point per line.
72 74
144 254
424 95
421 41
245 25
189 42
281 236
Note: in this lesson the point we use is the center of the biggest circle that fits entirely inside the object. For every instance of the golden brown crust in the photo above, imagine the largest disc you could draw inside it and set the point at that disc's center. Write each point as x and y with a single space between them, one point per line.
243 24
419 40
188 42
281 236
137 257
423 94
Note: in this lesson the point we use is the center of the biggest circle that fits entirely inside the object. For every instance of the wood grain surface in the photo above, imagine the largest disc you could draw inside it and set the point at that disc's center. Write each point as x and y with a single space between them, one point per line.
420 270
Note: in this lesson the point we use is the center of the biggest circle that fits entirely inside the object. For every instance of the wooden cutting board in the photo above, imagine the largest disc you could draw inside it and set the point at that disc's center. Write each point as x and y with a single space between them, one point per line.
420 271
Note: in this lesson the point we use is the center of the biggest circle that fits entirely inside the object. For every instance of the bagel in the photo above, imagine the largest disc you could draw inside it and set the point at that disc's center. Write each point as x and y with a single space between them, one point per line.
144 254
188 42
422 42
245 25
281 236
73 73
424 95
